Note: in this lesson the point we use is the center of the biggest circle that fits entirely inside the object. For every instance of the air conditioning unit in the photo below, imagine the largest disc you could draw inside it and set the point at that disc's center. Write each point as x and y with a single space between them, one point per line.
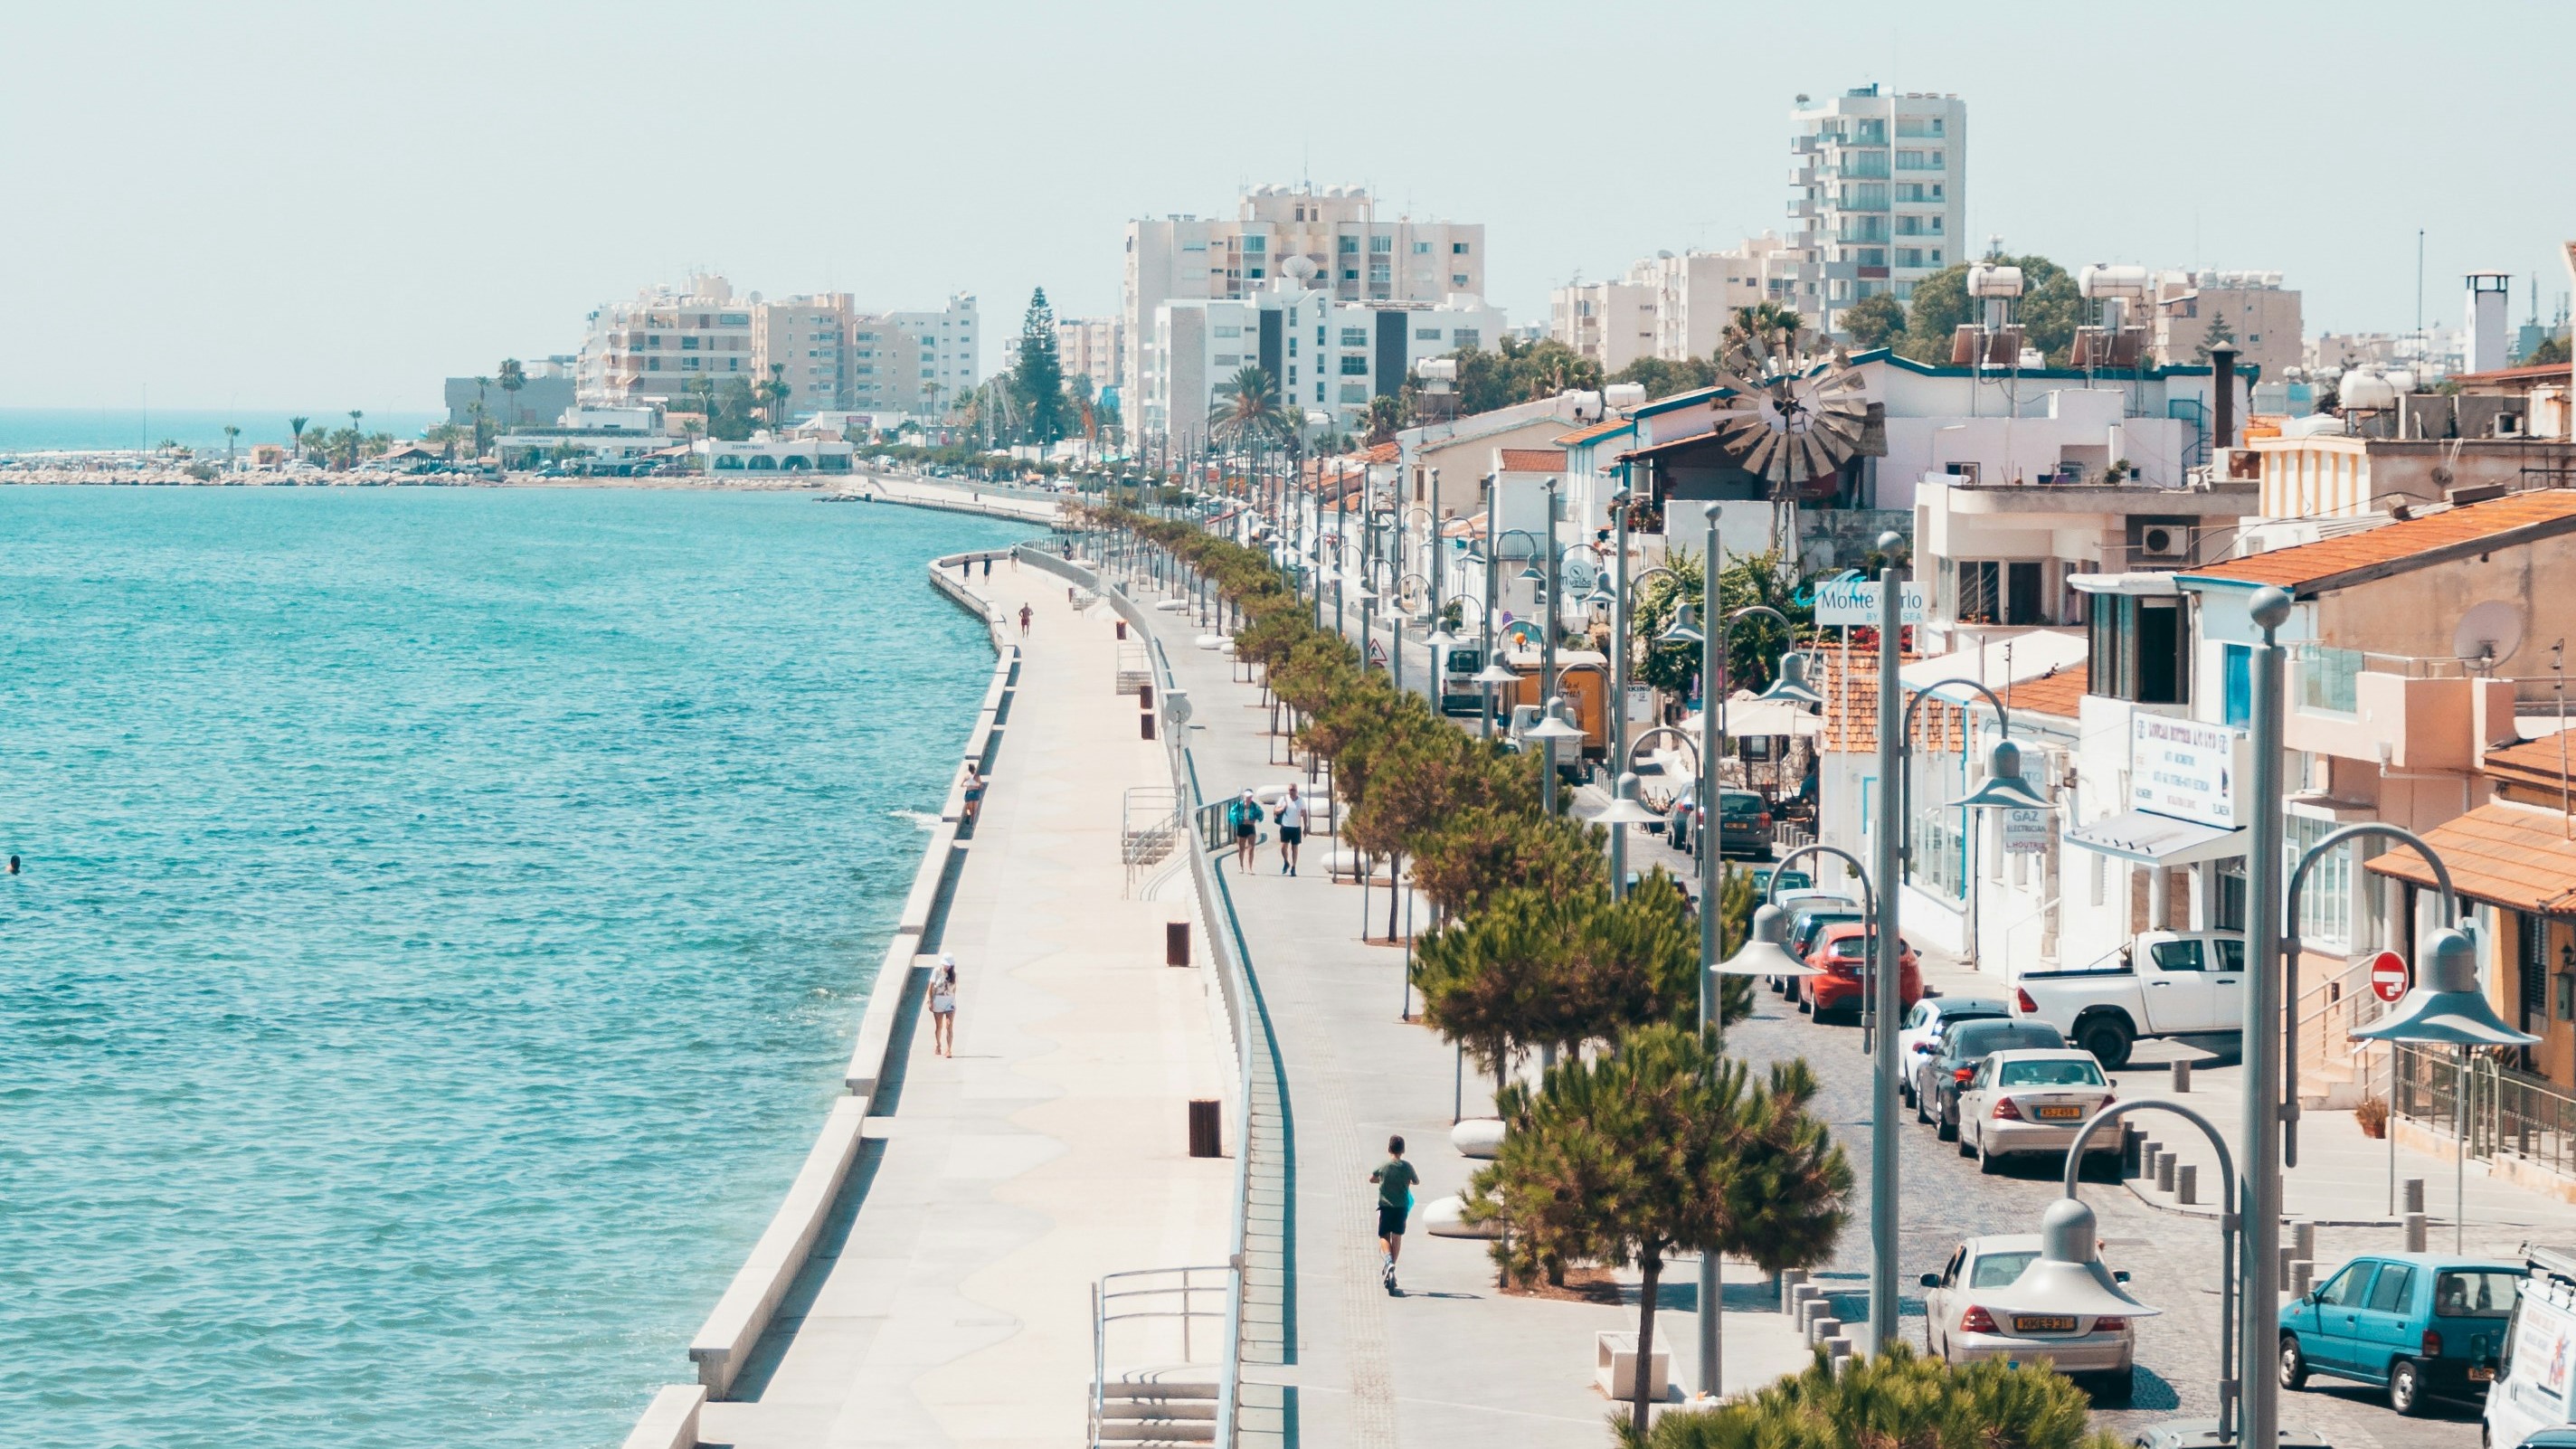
2164 540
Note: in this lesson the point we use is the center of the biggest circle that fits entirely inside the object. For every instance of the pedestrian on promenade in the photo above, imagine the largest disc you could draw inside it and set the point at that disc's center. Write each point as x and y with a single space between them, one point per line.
1024 621
1068 593
1245 816
943 1006
974 792
1395 1178
988 565
1292 829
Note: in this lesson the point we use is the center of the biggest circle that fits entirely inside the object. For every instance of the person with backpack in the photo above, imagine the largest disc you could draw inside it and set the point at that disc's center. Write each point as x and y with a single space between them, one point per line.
1245 816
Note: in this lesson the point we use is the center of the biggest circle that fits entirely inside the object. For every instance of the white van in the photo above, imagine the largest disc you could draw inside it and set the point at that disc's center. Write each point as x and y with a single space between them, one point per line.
2534 1372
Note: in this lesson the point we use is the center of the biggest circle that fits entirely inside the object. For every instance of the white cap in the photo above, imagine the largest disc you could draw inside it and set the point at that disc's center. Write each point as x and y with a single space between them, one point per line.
947 960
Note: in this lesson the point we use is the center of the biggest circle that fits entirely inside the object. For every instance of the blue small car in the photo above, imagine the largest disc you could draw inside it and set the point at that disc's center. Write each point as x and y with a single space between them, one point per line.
2418 1323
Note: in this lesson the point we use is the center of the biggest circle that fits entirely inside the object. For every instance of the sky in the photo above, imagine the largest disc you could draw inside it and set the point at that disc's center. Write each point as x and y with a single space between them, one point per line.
333 205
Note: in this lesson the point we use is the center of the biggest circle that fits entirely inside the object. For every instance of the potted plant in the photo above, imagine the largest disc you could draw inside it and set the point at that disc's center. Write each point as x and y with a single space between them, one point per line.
2372 1114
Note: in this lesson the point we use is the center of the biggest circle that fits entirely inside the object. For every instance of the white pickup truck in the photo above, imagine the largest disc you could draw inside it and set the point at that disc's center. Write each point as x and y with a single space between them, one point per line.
2163 983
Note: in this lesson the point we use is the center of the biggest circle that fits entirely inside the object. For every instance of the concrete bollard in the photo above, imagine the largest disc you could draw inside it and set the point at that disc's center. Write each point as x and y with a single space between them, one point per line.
2288 1256
2302 1274
2132 1143
2149 1149
2410 1195
2414 1232
2181 1078
1791 1280
1824 1329
2165 1173
2303 1236
1811 1311
2186 1184
1838 1351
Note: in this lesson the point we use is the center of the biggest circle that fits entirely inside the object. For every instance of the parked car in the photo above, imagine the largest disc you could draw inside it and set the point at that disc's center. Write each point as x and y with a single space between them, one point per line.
1838 956
2032 1100
1961 1314
1962 1048
2423 1325
2203 1434
2165 983
1808 912
1918 1038
1789 880
2533 1398
1743 824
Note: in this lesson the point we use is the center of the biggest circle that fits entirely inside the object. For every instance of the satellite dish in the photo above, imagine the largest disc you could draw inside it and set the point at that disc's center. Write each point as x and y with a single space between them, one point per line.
2488 635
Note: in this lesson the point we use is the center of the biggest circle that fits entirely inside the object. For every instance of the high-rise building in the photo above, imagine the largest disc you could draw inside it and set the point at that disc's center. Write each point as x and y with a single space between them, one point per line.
1878 195
1331 240
1323 354
838 358
1089 347
649 350
946 359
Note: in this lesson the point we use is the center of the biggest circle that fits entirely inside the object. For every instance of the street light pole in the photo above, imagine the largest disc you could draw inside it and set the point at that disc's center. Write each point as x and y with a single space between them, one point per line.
1711 642
1884 1304
2259 1195
1617 724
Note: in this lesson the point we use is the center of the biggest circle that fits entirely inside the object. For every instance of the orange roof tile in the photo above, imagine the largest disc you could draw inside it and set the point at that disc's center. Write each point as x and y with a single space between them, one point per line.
1597 430
1533 460
1848 680
2058 694
2517 856
2314 568
1381 453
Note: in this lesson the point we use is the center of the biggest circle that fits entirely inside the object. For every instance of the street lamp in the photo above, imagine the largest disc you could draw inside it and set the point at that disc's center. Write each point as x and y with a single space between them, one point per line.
2067 1278
1550 728
1622 812
1494 673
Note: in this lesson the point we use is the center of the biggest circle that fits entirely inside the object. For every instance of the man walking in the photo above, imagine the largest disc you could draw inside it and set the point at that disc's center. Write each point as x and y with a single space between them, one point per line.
1245 816
1292 829
1395 1179
1024 621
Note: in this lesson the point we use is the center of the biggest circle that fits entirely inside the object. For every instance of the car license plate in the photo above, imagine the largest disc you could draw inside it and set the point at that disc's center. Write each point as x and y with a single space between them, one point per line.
2043 1323
2481 1375
2060 1114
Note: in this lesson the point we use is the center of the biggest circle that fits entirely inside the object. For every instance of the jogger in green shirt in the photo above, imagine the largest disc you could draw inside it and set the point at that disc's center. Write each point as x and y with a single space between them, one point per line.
1395 1179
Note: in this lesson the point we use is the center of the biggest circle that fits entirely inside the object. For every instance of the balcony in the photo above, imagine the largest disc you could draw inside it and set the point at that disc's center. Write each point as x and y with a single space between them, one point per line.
2403 712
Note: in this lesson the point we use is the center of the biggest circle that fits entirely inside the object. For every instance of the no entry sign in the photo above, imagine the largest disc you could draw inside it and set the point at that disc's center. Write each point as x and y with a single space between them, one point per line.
2389 976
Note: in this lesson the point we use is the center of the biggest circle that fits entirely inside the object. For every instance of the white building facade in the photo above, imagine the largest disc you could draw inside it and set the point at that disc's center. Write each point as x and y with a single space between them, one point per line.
1878 195
1324 354
650 350
1672 306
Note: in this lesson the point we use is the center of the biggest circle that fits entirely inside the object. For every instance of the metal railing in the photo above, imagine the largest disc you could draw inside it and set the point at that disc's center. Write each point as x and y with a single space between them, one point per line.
1149 829
2502 1111
1150 1293
2333 1009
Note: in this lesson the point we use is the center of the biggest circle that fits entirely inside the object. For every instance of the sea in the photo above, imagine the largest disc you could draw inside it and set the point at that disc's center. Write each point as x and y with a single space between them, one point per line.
39 430
442 920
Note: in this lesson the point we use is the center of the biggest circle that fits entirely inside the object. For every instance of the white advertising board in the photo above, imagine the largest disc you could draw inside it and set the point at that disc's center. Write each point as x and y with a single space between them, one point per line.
2186 769
2025 832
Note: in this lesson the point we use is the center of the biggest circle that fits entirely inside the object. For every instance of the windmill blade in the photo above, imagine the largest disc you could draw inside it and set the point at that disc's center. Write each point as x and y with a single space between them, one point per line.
1758 458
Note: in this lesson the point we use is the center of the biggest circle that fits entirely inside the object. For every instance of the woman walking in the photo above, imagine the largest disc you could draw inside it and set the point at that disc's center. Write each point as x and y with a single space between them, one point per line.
943 1006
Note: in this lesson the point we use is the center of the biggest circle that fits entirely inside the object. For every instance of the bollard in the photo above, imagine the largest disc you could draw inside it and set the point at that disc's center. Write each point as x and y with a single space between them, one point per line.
1145 723
1838 1352
2149 1149
1791 1280
2181 1078
2414 1232
2302 1274
1824 1330
2411 1195
1811 1313
1145 695
2186 1184
1203 1128
2165 1173
2303 1236
1176 943
2132 1139
2286 1260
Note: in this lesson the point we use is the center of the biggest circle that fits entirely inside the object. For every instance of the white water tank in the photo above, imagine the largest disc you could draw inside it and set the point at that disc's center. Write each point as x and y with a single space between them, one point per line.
2100 280
2366 390
1987 279
1625 396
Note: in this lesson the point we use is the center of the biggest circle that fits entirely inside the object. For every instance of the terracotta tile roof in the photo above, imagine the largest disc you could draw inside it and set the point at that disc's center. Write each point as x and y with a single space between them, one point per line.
1848 679
1381 453
2533 763
1597 430
2537 372
1533 460
2058 694
2517 856
2334 563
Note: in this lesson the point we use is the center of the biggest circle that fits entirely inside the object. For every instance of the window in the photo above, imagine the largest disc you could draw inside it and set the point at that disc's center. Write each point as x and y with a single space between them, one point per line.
2141 648
2325 900
1422 249
1993 591
2170 955
1350 274
1348 245
1467 337
1355 364
2474 1294
2531 965
1457 249
2395 1291
2237 667
1457 279
1355 392
2327 679
1319 397
1381 245
1426 334
1229 330
1355 337
2346 1289
1262 244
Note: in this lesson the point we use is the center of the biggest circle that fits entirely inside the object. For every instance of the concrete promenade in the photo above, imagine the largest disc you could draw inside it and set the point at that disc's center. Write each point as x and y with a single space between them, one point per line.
1451 1361
948 1299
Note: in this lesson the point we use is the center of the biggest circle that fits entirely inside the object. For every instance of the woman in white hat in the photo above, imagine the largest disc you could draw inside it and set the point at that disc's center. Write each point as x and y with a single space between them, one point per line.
943 1006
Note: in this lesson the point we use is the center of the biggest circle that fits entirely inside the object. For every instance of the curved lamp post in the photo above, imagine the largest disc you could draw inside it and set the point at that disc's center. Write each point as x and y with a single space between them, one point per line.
1550 728
1622 812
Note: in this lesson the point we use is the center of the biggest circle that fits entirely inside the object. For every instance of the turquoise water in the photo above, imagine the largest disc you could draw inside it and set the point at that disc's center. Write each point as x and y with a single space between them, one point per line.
445 917
104 429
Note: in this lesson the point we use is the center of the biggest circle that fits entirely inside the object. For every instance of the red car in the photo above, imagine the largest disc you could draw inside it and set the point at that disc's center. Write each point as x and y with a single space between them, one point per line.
1839 954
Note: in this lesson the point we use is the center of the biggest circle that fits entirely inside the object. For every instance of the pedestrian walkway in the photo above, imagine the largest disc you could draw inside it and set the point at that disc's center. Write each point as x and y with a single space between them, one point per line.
1451 1361
1052 1148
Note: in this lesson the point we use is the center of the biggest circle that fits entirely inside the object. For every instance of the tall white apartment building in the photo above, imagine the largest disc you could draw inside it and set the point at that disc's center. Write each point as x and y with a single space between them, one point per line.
1326 354
1672 306
651 349
1089 347
1348 251
1878 195
949 354
808 340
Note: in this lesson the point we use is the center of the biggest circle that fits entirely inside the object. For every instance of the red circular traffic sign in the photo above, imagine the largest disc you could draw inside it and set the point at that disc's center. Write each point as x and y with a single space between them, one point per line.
2389 977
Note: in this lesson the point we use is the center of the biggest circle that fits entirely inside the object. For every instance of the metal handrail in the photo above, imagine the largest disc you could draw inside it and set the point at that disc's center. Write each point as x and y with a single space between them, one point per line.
1102 1296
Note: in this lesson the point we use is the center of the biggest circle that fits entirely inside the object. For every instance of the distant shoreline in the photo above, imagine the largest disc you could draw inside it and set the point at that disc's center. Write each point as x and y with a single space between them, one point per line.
107 478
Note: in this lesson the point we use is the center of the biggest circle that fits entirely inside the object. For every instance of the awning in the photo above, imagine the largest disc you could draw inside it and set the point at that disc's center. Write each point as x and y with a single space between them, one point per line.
1994 665
2153 839
2513 855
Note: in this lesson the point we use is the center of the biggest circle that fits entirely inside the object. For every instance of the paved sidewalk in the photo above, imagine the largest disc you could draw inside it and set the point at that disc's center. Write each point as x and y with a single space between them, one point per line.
1051 1149
1452 1361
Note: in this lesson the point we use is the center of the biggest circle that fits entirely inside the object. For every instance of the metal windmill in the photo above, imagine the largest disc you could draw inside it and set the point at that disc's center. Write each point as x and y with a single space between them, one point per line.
1795 415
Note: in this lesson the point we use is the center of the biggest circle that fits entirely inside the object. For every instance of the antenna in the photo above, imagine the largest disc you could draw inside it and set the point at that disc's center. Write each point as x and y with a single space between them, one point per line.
2487 636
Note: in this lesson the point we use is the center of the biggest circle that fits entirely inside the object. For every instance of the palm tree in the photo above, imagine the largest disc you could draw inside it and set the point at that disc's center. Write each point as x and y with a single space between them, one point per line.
351 461
775 393
230 433
513 378
296 426
1249 410
1903 1397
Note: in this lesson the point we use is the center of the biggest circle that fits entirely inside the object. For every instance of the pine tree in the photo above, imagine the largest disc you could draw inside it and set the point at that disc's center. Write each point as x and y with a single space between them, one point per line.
1037 382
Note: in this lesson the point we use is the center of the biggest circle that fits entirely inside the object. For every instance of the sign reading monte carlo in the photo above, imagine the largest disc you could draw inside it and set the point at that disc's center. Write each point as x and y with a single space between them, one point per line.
2185 768
1855 602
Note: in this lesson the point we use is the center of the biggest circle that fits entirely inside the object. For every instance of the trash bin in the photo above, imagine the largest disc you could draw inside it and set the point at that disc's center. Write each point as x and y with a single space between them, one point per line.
1122 628
1176 943
1145 722
1203 1137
